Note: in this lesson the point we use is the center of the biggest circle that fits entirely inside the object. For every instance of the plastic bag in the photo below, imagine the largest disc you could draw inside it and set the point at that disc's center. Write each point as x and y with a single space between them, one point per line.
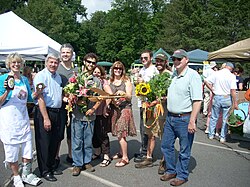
246 127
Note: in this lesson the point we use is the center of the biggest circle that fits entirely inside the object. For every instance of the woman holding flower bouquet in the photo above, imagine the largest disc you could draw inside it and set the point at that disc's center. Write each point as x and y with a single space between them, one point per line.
121 112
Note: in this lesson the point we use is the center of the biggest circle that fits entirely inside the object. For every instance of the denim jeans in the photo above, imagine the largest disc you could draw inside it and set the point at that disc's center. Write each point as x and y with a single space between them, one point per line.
81 138
223 103
177 127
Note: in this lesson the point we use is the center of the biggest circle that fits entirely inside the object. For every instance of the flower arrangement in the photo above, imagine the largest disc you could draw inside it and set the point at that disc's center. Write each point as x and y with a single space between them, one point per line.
151 94
155 89
77 91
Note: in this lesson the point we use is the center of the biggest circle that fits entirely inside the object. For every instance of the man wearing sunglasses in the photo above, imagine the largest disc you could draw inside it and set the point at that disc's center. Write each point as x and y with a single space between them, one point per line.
184 102
83 124
147 72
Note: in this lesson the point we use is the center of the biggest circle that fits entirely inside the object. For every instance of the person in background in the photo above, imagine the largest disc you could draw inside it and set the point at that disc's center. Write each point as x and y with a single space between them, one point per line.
147 72
223 86
161 63
47 119
102 126
239 80
65 69
15 129
82 126
207 94
121 111
27 72
35 69
183 104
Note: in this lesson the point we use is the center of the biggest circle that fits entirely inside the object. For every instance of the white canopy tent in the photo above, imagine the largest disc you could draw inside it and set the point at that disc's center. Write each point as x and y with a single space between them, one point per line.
16 35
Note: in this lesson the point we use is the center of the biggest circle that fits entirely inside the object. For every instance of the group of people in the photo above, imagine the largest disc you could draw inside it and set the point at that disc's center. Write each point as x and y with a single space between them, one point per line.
220 96
87 132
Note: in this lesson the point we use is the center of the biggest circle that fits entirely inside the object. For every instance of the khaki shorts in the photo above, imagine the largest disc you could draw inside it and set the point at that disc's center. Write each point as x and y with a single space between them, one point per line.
156 129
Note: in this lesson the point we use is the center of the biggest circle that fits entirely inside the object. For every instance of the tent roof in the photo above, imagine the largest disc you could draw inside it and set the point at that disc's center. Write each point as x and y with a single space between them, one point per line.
239 51
197 55
161 51
16 35
103 63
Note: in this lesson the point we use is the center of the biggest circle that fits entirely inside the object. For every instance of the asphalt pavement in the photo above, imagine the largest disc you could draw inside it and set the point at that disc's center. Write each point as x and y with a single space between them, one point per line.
212 164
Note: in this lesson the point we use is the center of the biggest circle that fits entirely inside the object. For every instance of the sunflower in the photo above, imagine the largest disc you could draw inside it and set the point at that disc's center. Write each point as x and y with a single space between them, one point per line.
145 89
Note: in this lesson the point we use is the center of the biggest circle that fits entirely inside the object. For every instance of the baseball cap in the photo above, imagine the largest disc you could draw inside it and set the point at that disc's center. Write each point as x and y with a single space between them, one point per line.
161 56
180 53
212 64
230 64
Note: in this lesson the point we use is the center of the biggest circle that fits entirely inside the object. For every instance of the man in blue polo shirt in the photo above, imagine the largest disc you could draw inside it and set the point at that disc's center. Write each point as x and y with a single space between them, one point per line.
47 120
183 104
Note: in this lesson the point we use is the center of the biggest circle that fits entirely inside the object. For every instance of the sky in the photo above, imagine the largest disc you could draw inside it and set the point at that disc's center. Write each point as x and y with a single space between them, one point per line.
95 5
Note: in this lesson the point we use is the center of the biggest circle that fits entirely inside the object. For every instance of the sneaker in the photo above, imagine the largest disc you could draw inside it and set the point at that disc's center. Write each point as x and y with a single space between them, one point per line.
31 179
206 131
18 181
140 158
76 171
148 162
211 137
89 168
217 134
222 140
161 168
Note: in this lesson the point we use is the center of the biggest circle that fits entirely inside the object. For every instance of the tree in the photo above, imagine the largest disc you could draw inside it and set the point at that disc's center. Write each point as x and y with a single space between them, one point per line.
56 18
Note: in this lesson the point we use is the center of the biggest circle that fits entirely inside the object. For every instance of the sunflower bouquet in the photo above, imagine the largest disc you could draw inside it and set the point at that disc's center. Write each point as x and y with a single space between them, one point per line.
77 91
151 94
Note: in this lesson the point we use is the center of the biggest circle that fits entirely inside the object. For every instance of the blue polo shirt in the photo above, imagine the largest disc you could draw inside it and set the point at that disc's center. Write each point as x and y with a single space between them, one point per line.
183 90
53 88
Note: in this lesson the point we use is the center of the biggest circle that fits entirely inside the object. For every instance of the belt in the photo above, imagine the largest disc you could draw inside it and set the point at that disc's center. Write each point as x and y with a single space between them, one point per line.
179 115
50 109
53 109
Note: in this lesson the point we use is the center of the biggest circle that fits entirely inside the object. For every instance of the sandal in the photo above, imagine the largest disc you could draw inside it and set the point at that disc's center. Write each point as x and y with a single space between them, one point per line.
121 163
96 156
117 156
105 162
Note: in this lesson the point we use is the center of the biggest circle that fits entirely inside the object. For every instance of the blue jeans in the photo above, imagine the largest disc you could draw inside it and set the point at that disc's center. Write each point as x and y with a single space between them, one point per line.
177 127
223 103
81 138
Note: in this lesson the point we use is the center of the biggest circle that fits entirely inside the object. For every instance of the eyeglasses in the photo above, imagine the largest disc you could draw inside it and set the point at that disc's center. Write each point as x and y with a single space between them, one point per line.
16 62
90 62
159 60
178 59
146 58
116 68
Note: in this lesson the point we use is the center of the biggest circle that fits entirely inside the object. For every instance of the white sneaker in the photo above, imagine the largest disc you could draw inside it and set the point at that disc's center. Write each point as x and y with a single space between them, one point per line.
31 179
206 131
222 140
18 181
217 134
211 137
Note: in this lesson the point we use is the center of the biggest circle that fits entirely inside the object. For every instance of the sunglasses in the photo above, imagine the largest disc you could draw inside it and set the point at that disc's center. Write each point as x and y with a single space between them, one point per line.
159 60
116 68
146 58
178 59
90 62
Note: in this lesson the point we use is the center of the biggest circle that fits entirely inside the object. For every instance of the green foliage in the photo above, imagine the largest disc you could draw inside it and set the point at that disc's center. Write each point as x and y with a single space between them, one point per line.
159 85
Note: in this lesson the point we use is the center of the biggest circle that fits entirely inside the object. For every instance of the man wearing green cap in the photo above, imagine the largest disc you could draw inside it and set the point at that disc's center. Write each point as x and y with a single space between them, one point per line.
184 102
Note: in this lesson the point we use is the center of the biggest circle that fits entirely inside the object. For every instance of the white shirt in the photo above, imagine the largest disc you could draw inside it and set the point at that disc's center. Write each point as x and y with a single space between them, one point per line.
223 81
146 74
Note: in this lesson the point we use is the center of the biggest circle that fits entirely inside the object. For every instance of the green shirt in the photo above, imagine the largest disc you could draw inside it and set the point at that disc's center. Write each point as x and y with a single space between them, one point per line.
183 90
